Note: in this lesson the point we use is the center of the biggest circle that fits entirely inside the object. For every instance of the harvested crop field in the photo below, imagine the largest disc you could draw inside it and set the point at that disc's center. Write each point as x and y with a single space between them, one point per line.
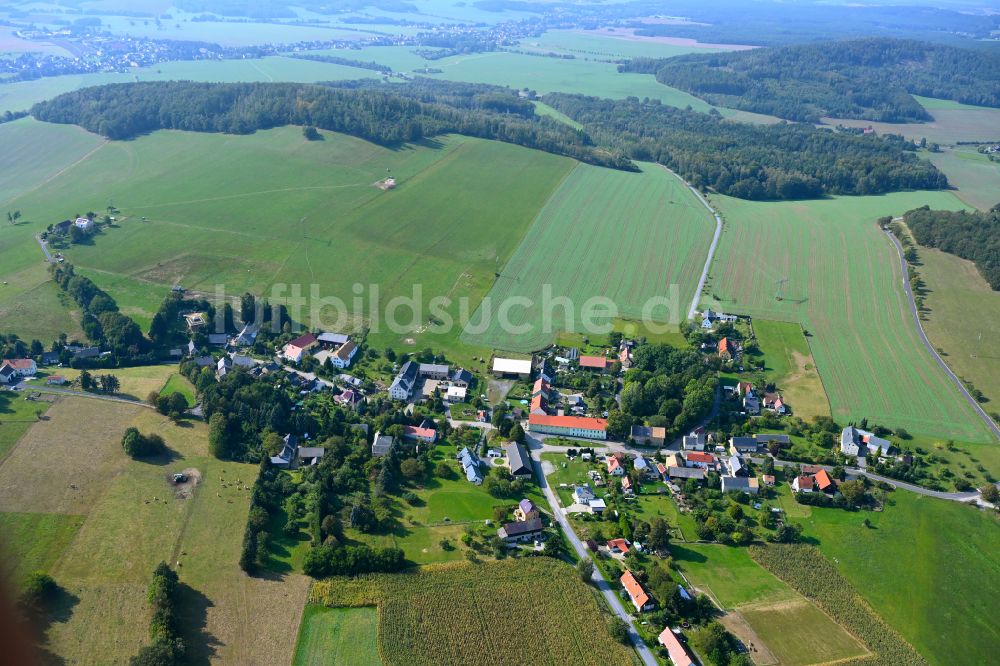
627 237
844 287
456 614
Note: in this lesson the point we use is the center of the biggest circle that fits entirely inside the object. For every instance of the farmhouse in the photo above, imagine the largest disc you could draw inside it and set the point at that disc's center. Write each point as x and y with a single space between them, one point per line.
511 367
402 386
295 350
649 436
598 363
710 319
698 459
569 426
428 435
675 649
861 444
84 223
382 444
636 593
518 461
434 371
525 510
521 531
21 367
728 349
802 484
470 463
774 403
344 355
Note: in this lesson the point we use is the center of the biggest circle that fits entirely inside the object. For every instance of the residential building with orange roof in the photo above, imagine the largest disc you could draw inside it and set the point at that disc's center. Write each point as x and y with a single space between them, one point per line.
637 593
675 649
594 363
569 426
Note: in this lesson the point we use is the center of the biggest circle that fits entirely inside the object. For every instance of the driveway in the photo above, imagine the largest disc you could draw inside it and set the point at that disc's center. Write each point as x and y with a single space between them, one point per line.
610 592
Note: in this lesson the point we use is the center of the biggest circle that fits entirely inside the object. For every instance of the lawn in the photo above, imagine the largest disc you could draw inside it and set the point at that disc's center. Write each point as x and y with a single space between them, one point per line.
927 566
463 411
799 634
108 520
788 362
178 383
975 176
628 238
728 575
457 614
843 287
17 414
334 636
273 210
136 382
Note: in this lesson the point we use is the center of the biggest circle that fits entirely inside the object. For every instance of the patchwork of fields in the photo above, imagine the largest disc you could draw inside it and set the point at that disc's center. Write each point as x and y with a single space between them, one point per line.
624 236
250 212
844 287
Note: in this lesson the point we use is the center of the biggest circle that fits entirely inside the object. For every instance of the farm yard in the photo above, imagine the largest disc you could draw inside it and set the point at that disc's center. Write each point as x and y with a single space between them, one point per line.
463 613
844 288
624 236
248 212
100 522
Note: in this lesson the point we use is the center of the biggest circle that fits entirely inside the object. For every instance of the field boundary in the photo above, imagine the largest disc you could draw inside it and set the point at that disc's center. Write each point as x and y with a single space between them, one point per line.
908 290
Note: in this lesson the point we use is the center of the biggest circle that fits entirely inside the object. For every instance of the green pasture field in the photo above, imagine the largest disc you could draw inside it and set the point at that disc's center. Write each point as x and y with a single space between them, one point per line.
250 212
844 287
627 237
334 636
136 382
945 577
788 362
728 575
456 614
543 109
33 307
17 414
956 287
975 176
108 520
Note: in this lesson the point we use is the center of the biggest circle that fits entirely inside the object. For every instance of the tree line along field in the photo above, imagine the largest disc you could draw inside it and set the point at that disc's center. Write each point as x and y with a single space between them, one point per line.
465 614
844 287
248 212
625 236
92 522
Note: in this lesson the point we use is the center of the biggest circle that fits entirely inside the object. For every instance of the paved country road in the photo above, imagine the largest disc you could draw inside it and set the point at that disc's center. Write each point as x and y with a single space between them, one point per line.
609 591
990 423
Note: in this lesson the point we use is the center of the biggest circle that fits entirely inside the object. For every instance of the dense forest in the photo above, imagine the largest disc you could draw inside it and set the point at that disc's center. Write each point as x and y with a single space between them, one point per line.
871 79
783 161
124 111
970 235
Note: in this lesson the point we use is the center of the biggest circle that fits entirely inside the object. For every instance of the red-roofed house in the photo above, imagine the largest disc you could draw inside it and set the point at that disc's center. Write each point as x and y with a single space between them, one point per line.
594 363
570 426
661 469
541 387
428 435
640 598
824 483
675 649
615 467
627 486
802 484
618 546
22 367
698 459
538 405
297 348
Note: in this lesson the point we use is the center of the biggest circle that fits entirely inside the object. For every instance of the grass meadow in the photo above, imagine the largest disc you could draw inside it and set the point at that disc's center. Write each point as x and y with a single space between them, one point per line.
956 289
333 636
106 521
788 362
927 566
952 122
844 288
975 176
624 236
249 212
463 614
